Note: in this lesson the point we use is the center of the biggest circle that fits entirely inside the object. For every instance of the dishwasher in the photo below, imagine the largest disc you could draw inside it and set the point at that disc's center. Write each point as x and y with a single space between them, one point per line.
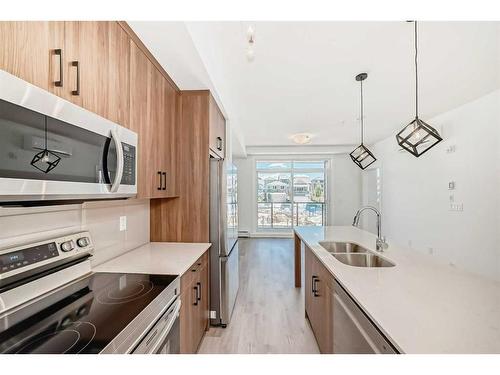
353 331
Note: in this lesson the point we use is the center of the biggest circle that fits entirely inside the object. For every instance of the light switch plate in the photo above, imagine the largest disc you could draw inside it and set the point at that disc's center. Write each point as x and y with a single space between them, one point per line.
123 223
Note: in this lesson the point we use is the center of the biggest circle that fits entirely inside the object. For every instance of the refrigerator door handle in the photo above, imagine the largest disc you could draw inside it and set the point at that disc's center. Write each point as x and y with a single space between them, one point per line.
222 199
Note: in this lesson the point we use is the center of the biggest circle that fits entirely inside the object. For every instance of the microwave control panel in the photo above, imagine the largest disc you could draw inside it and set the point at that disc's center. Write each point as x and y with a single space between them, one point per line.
129 157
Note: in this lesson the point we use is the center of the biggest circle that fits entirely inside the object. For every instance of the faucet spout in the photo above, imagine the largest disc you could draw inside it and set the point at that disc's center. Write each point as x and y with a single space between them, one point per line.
381 244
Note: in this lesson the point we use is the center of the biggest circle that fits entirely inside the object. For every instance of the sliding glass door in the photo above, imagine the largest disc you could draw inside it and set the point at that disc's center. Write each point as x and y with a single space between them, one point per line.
290 193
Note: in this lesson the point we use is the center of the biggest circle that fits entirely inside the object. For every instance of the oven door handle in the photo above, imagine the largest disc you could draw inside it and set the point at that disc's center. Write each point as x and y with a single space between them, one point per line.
119 161
174 315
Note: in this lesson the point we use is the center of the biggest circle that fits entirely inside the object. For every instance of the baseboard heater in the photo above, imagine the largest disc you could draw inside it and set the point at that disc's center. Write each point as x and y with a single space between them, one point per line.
243 234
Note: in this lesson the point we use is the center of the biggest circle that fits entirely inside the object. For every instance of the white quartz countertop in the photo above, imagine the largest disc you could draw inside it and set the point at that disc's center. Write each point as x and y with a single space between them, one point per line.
160 258
422 306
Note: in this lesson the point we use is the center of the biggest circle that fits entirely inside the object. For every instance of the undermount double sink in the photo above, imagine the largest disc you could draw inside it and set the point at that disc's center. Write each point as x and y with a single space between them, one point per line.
354 255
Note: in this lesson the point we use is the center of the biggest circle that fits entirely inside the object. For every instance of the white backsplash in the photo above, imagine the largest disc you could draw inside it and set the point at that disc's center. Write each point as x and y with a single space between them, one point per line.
102 219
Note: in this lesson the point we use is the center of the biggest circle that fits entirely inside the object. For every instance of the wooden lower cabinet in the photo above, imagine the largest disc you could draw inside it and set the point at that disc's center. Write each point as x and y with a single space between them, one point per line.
194 316
319 301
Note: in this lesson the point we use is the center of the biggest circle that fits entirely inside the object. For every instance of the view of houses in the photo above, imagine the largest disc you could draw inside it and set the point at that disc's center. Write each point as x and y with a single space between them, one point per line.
290 199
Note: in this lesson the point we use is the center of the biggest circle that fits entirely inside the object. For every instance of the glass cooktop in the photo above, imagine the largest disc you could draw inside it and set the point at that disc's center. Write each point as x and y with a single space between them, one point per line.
84 320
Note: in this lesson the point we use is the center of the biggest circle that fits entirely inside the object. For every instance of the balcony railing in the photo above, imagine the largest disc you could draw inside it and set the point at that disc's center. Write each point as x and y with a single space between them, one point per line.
274 215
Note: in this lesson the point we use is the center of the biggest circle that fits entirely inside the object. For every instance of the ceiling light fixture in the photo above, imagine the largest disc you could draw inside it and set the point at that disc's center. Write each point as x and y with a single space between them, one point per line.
361 155
417 137
251 40
301 138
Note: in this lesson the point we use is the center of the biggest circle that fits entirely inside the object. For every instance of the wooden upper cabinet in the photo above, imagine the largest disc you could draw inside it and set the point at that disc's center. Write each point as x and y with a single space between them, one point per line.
84 62
97 66
171 134
27 50
140 120
217 129
153 116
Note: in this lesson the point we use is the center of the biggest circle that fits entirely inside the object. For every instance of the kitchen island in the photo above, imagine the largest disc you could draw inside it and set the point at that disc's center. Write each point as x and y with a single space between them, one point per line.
420 305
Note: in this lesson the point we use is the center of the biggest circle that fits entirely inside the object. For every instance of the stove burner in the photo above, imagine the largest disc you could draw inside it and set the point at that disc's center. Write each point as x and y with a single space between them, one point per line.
61 341
130 292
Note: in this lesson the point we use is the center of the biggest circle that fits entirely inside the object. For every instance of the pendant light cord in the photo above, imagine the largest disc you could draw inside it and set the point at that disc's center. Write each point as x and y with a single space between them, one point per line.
416 72
45 132
362 124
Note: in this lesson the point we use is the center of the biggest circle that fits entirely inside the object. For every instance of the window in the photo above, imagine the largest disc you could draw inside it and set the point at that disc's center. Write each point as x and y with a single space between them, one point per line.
290 193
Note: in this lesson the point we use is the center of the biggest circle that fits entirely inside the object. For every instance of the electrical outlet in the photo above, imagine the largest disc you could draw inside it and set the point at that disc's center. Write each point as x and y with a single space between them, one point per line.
213 314
123 223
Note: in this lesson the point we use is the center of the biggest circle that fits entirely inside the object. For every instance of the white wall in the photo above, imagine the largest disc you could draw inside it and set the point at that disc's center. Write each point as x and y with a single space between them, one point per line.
416 199
343 189
24 225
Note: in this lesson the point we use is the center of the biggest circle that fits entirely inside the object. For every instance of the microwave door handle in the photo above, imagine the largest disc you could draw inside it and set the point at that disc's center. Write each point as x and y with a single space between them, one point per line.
119 161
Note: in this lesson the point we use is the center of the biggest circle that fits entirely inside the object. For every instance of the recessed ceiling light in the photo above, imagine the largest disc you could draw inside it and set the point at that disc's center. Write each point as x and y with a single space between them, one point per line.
301 138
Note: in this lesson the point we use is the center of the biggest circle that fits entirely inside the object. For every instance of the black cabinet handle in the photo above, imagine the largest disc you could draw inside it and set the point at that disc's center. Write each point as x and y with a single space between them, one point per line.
76 64
58 52
195 295
199 291
159 180
164 174
315 279
219 143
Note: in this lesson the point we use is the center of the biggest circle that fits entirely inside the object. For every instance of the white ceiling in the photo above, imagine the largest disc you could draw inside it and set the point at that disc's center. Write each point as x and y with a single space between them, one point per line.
302 78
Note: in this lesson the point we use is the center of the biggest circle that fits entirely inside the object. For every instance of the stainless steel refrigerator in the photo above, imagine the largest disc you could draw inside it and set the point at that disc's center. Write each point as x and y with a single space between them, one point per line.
224 276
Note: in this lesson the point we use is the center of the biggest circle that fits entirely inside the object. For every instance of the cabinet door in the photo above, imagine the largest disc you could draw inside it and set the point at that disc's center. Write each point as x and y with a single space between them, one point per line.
159 130
100 81
217 129
170 140
141 71
204 305
164 121
323 320
318 301
308 292
188 319
28 51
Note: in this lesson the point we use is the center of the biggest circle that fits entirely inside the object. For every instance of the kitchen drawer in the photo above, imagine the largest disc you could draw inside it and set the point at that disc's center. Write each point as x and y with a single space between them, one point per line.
192 274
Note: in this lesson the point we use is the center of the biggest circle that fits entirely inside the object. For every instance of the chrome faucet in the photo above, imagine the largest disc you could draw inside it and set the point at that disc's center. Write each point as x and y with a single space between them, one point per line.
381 244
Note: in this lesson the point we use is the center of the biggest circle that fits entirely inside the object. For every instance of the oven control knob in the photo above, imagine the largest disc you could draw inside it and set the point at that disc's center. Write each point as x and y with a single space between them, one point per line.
68 246
83 242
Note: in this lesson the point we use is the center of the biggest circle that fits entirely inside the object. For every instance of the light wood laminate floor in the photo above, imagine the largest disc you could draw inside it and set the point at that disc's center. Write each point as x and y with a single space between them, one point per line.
269 312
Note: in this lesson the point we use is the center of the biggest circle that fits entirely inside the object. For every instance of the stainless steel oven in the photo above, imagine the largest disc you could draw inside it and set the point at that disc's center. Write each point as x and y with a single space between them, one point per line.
51 149
164 337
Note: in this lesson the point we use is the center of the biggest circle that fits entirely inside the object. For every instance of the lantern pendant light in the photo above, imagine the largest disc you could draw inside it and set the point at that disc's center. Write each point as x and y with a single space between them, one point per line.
417 137
361 155
45 160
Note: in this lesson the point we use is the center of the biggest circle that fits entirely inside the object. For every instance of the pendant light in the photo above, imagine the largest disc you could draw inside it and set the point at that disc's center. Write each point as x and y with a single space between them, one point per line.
417 137
361 155
45 160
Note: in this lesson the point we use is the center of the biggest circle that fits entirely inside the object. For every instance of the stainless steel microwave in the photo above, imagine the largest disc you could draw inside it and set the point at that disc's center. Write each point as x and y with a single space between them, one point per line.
51 149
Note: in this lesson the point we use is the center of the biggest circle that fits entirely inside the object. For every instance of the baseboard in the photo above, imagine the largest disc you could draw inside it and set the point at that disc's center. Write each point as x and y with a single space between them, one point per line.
271 235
